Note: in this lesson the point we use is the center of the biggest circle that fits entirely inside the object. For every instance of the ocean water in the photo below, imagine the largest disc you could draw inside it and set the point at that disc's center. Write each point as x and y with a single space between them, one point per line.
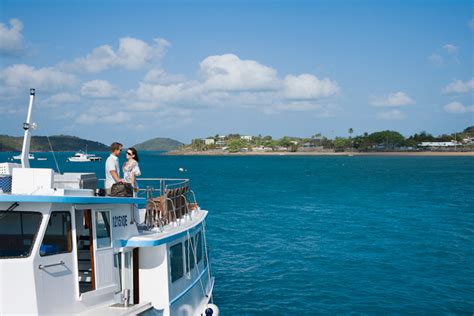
331 235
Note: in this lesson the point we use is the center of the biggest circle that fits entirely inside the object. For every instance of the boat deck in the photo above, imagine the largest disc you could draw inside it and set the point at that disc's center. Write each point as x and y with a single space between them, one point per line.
119 310
155 237
68 199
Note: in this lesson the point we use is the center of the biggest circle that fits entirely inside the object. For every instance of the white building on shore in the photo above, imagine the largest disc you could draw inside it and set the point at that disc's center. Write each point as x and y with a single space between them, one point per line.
245 137
439 144
209 141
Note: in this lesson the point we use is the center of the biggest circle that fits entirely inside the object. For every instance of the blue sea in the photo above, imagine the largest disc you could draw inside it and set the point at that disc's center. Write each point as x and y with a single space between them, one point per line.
330 235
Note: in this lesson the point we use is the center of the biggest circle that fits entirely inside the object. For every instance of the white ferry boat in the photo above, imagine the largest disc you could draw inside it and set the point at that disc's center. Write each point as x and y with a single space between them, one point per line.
64 250
84 157
18 157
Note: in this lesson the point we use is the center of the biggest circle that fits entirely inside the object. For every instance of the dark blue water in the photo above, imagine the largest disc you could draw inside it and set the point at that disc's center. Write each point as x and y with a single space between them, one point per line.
332 235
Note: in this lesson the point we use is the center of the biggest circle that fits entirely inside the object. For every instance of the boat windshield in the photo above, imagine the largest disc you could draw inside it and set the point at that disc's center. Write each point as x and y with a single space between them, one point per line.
18 231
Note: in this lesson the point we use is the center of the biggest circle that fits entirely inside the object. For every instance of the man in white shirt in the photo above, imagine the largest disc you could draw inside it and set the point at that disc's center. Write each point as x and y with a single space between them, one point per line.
112 168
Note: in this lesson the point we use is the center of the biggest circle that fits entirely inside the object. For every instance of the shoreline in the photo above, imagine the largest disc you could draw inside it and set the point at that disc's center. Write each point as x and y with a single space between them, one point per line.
314 153
386 154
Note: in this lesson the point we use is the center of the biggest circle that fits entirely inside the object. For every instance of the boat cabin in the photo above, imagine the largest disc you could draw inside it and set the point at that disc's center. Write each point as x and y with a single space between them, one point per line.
65 250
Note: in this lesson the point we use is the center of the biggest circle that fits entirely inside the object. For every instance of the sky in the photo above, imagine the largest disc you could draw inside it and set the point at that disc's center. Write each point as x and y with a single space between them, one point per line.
129 71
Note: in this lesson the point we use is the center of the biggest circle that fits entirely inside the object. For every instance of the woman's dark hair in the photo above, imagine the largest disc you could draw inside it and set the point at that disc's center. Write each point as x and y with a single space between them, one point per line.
135 154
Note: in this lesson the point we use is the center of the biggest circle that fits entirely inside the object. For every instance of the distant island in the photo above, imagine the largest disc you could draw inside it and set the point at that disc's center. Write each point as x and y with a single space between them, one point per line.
73 143
382 142
58 142
378 142
159 144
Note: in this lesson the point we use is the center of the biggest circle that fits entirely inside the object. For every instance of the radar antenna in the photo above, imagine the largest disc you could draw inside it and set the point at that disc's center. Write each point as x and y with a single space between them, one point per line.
25 151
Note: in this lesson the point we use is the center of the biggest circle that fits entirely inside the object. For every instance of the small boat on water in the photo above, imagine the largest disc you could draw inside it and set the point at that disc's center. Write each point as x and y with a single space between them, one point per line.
18 157
66 250
84 157
41 158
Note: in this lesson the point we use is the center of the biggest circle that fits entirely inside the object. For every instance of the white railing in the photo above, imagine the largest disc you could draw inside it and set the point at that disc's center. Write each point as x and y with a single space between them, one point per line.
179 200
154 187
176 196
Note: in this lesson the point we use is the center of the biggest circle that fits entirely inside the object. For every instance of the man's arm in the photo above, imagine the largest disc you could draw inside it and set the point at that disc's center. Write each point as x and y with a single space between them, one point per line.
115 175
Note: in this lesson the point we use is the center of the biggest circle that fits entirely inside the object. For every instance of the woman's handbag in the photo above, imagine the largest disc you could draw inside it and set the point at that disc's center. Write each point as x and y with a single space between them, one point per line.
121 190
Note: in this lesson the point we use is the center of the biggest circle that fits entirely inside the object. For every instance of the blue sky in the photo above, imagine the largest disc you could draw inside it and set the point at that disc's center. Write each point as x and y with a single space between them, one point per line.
133 70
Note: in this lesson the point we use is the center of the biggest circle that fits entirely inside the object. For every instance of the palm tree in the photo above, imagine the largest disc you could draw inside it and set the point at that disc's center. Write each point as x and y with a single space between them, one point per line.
350 137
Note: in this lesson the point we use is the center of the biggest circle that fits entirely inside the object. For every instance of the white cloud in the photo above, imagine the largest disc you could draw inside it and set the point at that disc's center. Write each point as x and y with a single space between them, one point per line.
24 76
11 39
132 54
229 81
98 89
297 106
170 118
458 108
446 55
451 49
167 93
157 75
391 115
436 59
172 93
144 106
119 117
460 87
230 73
393 99
103 115
86 119
12 110
9 93
307 86
63 116
99 59
60 99
64 98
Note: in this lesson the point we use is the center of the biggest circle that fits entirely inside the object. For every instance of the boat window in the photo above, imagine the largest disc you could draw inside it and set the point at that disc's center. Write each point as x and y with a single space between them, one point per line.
17 233
102 226
199 246
118 269
176 262
57 238
189 251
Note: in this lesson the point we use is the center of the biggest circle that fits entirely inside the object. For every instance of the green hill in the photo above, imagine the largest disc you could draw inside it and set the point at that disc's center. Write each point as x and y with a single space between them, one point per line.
158 144
59 143
469 131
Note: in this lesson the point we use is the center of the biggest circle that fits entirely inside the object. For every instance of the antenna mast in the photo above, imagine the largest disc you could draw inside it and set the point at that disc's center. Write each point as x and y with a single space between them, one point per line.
25 151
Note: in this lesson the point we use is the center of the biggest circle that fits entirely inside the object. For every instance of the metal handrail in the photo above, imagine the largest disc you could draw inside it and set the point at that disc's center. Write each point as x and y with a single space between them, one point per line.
164 185
176 182
42 267
160 224
155 179
187 206
194 195
174 209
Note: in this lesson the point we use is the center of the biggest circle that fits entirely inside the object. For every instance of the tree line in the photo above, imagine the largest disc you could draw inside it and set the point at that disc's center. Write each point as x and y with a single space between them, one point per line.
381 140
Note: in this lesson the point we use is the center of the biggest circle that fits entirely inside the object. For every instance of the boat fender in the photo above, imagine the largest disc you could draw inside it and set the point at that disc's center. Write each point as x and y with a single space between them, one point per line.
212 310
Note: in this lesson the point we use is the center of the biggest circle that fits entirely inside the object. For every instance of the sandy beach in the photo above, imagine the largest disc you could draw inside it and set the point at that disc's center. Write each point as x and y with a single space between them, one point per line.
325 153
